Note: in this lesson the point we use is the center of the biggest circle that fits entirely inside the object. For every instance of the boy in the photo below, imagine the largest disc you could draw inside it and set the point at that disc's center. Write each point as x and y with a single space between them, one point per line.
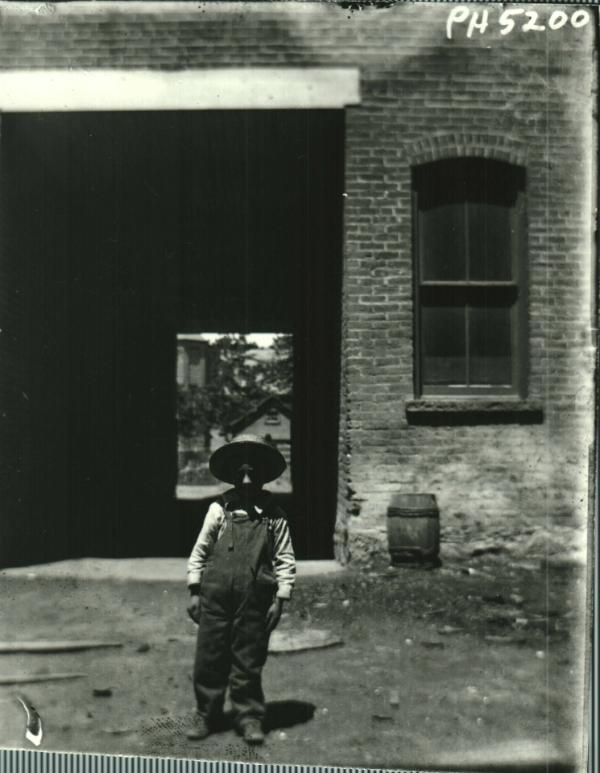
240 573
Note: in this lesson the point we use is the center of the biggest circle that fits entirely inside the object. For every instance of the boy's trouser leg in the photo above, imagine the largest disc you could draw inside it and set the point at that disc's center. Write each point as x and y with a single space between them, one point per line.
212 663
249 644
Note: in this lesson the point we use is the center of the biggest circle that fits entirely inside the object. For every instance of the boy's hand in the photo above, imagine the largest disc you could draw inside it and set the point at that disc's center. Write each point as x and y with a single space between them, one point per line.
193 609
274 614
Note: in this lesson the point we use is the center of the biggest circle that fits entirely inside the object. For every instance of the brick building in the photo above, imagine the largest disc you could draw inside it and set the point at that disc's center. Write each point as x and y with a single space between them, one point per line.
415 209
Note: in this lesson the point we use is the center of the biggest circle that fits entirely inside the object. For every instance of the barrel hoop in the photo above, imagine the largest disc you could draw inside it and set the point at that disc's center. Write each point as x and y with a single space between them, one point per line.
395 512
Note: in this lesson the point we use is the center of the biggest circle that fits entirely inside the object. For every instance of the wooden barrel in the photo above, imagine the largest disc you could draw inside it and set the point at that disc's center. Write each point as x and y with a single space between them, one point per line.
413 526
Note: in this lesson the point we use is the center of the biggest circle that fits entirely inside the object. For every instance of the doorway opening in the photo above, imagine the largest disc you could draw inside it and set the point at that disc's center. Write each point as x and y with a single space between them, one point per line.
119 231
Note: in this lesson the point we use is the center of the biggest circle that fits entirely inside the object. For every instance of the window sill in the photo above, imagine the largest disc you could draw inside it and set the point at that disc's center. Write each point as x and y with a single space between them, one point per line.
471 410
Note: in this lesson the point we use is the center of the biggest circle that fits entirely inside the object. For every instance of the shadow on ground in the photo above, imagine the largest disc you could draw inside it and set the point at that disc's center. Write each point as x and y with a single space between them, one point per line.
284 714
280 715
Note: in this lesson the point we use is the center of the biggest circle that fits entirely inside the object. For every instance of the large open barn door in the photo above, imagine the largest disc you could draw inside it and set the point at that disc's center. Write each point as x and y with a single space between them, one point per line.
118 230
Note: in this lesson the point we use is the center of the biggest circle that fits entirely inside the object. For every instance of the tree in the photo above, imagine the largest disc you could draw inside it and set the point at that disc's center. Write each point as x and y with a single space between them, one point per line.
279 372
236 383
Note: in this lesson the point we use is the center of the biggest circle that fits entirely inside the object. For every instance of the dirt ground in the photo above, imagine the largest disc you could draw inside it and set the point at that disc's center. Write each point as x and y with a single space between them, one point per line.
469 666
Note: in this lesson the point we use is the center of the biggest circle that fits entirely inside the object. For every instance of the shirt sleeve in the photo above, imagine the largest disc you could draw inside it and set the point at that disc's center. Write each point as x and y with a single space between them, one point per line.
284 561
204 544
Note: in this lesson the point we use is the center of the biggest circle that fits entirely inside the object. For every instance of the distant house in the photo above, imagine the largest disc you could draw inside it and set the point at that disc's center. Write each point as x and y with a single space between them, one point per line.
192 361
270 419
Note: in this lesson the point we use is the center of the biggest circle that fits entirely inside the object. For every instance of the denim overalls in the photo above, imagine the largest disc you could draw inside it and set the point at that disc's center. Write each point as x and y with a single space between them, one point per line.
236 590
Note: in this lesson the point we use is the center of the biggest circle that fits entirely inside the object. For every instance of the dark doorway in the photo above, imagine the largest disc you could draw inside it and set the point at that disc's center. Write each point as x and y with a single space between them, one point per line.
119 229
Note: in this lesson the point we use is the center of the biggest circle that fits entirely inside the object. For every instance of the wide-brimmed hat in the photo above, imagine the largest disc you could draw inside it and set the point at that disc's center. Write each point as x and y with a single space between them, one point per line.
247 449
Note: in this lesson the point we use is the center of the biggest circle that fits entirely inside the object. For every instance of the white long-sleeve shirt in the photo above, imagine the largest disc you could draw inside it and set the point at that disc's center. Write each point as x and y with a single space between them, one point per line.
284 561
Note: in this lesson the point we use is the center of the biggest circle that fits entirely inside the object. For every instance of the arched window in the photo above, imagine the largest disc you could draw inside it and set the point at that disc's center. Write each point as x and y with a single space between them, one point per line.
470 290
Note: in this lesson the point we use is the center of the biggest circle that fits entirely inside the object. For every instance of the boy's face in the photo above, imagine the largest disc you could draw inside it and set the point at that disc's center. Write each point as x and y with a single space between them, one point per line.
247 477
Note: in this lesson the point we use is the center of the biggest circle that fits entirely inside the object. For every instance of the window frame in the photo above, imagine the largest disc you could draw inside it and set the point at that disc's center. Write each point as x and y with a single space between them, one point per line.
472 289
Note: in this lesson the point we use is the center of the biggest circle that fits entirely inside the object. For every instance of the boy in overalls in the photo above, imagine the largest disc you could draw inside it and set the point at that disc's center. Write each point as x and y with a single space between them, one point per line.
240 573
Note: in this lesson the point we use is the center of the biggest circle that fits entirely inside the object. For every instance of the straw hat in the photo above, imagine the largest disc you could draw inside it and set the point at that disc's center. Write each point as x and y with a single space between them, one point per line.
247 449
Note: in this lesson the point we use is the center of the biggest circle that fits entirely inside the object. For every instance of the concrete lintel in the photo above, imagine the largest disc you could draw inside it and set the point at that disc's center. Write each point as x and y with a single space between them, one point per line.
205 89
142 569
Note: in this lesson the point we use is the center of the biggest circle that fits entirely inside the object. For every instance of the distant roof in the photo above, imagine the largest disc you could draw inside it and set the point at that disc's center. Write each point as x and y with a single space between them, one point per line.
282 403
260 355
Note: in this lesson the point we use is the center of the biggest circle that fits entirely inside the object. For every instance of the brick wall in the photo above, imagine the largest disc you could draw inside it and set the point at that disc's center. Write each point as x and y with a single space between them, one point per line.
524 97
454 100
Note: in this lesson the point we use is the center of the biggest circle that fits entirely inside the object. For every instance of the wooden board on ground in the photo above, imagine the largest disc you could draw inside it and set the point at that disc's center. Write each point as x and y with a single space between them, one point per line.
31 678
299 641
72 645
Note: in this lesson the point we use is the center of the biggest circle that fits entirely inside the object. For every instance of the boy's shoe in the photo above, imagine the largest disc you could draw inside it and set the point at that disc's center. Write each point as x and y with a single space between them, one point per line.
252 732
199 731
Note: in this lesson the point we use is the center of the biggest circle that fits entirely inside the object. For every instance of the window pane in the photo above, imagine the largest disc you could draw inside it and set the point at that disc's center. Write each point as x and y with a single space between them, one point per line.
490 241
443 345
490 345
442 230
480 195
